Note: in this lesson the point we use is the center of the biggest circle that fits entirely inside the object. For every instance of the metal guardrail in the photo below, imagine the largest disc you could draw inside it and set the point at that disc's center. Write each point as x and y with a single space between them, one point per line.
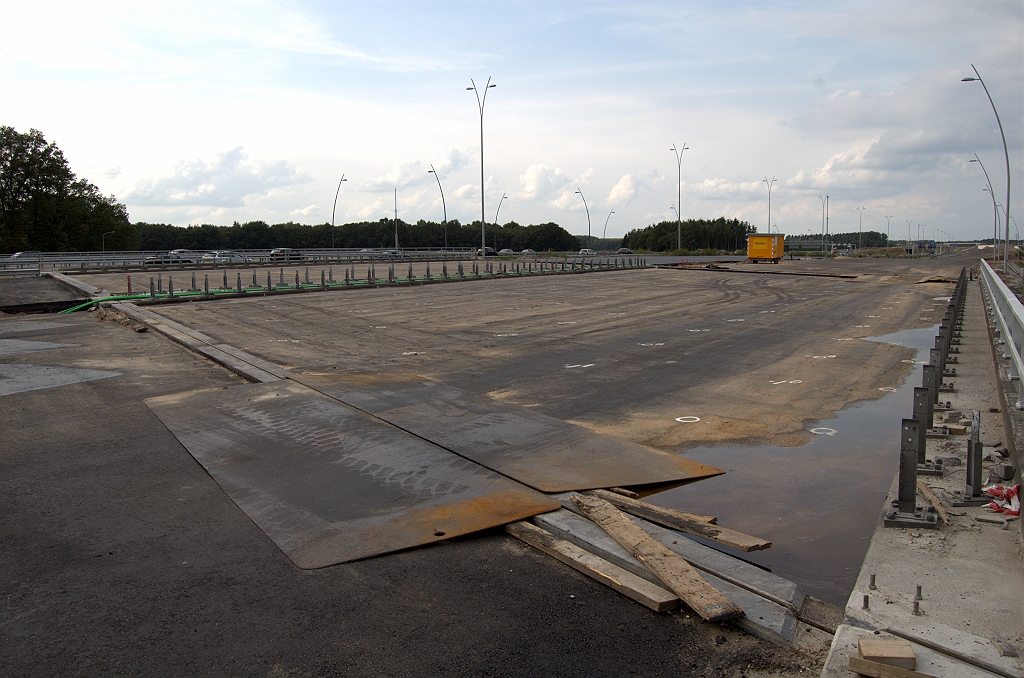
1008 313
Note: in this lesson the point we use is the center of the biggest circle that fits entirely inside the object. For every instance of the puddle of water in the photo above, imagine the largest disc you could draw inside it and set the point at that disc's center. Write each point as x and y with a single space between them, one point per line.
819 503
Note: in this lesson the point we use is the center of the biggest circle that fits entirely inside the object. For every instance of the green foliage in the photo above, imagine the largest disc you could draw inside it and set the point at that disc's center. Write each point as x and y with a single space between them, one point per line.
697 234
813 241
260 235
44 206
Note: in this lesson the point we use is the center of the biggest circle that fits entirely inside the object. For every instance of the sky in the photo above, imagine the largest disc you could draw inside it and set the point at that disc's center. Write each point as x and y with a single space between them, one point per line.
237 111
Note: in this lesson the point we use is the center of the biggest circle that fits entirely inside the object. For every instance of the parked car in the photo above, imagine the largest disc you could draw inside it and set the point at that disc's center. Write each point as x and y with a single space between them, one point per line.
174 257
225 257
505 252
485 252
529 251
624 250
34 254
284 254
394 254
587 252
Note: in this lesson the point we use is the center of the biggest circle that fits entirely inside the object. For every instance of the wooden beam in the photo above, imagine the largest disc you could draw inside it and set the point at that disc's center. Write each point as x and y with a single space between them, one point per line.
684 522
876 670
609 574
677 574
930 496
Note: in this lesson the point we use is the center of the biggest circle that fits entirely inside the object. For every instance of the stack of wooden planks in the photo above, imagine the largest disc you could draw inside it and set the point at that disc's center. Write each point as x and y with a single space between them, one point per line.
679 578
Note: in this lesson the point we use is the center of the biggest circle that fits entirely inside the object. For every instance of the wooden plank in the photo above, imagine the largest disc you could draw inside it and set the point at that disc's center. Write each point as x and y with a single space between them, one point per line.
684 522
891 651
624 492
609 574
678 575
930 496
876 670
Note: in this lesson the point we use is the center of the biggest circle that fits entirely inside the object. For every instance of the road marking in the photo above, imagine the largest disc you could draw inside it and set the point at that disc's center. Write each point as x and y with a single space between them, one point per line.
862 325
887 389
569 367
736 320
698 330
660 343
845 339
506 335
688 420
568 322
410 353
794 381
824 431
823 357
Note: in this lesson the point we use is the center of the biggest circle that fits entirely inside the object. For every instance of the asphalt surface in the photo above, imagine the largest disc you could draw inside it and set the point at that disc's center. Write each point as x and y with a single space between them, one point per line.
121 556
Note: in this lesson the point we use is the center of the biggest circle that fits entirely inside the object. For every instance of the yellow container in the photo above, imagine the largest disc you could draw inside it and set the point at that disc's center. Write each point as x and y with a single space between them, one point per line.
765 247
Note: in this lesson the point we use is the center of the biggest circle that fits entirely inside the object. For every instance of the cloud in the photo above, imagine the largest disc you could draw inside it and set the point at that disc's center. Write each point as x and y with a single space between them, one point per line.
543 182
723 189
632 185
415 172
307 211
226 180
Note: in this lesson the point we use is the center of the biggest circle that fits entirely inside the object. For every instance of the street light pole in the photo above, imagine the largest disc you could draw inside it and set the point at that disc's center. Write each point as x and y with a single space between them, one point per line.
588 213
431 171
826 222
604 235
396 220
480 102
769 202
992 194
679 193
103 241
335 208
888 217
496 212
860 229
1006 208
822 222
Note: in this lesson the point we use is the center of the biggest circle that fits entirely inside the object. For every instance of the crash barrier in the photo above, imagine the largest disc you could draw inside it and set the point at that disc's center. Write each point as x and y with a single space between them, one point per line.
1008 313
354 279
914 432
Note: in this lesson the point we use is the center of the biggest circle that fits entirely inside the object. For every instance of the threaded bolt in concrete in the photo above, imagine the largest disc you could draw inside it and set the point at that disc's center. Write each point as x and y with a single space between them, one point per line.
866 602
917 607
872 584
917 596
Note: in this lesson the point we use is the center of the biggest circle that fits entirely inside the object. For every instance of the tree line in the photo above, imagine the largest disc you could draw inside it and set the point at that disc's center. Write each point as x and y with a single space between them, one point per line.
813 241
697 234
378 234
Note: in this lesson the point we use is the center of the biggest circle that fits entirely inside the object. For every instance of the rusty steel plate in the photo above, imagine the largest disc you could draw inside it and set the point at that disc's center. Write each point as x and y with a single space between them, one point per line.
329 484
545 453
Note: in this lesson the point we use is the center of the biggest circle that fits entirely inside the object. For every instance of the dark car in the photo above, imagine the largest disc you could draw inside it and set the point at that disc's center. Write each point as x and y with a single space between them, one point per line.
284 254
624 250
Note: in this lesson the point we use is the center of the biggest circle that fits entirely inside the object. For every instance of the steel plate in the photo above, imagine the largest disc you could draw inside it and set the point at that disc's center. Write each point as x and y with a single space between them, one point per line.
545 453
329 484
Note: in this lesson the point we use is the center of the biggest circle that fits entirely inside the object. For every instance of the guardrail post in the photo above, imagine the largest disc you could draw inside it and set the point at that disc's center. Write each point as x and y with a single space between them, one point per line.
170 286
930 380
206 283
924 413
152 288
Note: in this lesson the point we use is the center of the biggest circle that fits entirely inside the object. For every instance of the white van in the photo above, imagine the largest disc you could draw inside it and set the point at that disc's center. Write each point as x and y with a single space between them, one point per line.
587 252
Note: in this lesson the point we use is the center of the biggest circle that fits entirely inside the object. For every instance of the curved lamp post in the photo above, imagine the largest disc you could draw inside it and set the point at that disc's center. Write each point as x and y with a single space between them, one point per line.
480 102
604 235
992 194
888 219
496 213
679 192
1006 241
343 179
431 171
588 213
860 228
103 242
769 202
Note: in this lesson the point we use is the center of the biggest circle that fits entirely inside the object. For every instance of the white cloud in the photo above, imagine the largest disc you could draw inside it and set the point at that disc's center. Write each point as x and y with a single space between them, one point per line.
543 182
416 172
311 210
225 180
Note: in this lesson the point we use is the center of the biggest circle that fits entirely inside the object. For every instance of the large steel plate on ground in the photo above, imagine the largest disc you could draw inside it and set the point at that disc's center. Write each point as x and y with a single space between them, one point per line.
329 484
545 453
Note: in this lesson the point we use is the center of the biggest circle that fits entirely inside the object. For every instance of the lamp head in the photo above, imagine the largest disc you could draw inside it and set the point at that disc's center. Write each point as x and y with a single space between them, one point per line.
470 88
492 85
967 79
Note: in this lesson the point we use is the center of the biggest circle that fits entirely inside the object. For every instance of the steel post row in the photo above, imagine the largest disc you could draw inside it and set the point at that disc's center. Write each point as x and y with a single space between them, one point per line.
914 432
